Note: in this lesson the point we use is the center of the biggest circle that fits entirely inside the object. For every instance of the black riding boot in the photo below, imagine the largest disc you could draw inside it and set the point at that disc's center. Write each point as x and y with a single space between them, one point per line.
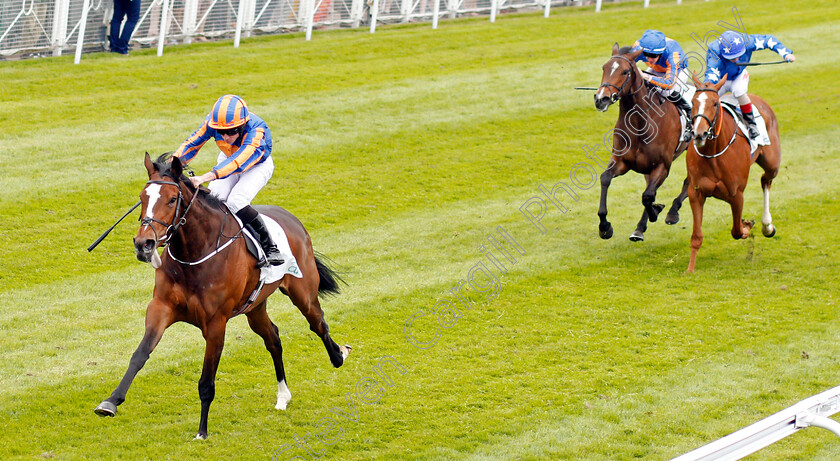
255 224
685 108
751 125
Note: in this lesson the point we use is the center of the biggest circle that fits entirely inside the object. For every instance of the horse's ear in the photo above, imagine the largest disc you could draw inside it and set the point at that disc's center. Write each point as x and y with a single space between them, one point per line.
615 49
635 55
177 168
150 166
721 82
696 80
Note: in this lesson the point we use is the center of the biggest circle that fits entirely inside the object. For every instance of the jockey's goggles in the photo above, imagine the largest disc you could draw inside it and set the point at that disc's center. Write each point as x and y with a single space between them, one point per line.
651 55
230 132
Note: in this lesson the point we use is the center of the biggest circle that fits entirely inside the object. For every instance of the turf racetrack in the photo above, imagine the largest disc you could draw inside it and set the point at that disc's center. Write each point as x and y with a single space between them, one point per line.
401 152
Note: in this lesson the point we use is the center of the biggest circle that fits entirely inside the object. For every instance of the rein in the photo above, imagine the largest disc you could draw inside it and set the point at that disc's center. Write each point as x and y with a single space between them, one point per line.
715 123
173 227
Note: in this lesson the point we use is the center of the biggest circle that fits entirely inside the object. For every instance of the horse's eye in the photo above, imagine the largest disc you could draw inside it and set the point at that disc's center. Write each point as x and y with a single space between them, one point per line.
172 201
627 72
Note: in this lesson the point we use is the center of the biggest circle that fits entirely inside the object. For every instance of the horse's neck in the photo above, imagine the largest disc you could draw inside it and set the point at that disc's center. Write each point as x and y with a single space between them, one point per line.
205 227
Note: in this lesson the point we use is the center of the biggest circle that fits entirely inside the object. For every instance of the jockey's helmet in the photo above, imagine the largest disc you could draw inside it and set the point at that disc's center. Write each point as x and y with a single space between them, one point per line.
732 44
652 42
229 112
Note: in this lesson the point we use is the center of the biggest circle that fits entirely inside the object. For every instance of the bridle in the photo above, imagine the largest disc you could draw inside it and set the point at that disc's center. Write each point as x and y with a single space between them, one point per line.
618 90
177 221
714 121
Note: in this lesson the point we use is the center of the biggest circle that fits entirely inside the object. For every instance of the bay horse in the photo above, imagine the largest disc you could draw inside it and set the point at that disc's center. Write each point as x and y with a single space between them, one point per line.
206 276
646 138
719 161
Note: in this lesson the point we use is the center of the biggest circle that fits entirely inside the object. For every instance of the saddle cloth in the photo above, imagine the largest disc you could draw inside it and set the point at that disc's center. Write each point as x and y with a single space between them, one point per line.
273 273
731 104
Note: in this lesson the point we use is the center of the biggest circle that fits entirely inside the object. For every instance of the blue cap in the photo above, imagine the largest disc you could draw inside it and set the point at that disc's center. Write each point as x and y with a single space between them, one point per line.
732 44
652 42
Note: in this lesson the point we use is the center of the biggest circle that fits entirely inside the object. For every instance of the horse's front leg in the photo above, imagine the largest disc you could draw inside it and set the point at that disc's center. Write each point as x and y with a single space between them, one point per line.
674 213
696 199
618 168
214 337
158 318
740 228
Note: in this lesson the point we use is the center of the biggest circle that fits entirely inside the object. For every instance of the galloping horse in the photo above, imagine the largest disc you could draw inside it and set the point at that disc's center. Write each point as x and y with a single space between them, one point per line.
207 276
646 138
719 161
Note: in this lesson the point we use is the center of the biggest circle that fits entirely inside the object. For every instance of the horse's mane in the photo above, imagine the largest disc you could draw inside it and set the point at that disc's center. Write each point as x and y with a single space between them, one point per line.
163 164
625 50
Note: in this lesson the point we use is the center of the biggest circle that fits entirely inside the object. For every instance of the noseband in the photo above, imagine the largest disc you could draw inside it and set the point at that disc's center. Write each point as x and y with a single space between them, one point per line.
618 90
177 221
713 121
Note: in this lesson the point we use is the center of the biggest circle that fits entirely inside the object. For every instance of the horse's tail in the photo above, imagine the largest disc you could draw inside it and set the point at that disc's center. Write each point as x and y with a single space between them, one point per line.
329 277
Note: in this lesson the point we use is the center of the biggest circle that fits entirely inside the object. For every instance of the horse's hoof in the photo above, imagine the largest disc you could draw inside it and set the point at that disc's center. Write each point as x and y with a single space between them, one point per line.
768 230
606 232
106 408
637 236
656 208
200 436
345 350
672 219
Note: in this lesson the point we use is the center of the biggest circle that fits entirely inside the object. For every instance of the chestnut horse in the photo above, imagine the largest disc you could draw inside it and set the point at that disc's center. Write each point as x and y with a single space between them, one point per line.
646 138
207 276
719 161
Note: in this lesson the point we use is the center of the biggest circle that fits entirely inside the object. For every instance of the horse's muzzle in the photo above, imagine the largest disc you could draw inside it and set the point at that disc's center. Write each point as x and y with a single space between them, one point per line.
144 248
603 103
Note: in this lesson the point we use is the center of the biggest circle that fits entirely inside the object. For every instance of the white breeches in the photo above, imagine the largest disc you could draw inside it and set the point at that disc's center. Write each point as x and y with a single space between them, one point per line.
238 190
681 85
738 86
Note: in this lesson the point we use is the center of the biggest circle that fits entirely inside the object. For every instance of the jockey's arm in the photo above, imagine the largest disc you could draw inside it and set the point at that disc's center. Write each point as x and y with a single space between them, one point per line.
186 152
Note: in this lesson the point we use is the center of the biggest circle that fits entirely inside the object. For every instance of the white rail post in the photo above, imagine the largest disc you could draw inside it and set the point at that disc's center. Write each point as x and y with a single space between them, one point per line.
405 10
81 42
494 5
312 5
190 17
647 3
356 10
435 13
59 28
547 8
374 13
598 6
240 14
164 23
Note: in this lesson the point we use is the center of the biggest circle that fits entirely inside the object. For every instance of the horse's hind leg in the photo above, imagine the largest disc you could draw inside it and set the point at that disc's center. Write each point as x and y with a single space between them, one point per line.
158 319
652 210
263 326
770 172
674 213
308 304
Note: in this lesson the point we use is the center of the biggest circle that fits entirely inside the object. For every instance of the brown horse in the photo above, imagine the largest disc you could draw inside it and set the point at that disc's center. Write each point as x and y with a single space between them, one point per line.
646 138
207 276
719 161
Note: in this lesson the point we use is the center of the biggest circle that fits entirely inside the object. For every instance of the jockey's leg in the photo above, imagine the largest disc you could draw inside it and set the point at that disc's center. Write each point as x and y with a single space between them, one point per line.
252 220
239 201
740 90
681 97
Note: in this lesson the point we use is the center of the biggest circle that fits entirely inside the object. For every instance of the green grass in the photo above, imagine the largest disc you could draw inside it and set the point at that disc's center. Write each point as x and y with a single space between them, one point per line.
400 151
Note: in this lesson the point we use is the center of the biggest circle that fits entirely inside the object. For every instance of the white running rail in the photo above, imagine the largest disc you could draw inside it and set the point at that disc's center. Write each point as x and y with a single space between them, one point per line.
813 411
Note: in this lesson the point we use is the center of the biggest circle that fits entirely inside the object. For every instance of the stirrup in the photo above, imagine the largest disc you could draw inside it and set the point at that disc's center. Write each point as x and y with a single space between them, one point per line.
753 131
272 257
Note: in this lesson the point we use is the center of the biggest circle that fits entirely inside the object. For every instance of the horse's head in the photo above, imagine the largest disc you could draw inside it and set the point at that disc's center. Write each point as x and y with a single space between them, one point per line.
162 206
705 110
620 71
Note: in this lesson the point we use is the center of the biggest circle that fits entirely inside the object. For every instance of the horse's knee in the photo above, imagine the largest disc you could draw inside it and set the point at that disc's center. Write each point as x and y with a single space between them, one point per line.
648 198
696 242
206 391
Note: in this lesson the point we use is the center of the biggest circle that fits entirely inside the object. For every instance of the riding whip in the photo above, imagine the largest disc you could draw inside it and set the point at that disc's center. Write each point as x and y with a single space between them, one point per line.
102 237
585 88
745 64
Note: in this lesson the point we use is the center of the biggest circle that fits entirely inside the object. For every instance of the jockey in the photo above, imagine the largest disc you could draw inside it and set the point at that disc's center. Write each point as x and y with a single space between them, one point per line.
667 71
722 58
243 167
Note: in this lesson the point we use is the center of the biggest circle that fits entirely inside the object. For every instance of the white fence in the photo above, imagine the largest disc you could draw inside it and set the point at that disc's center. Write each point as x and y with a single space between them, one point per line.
35 28
813 411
